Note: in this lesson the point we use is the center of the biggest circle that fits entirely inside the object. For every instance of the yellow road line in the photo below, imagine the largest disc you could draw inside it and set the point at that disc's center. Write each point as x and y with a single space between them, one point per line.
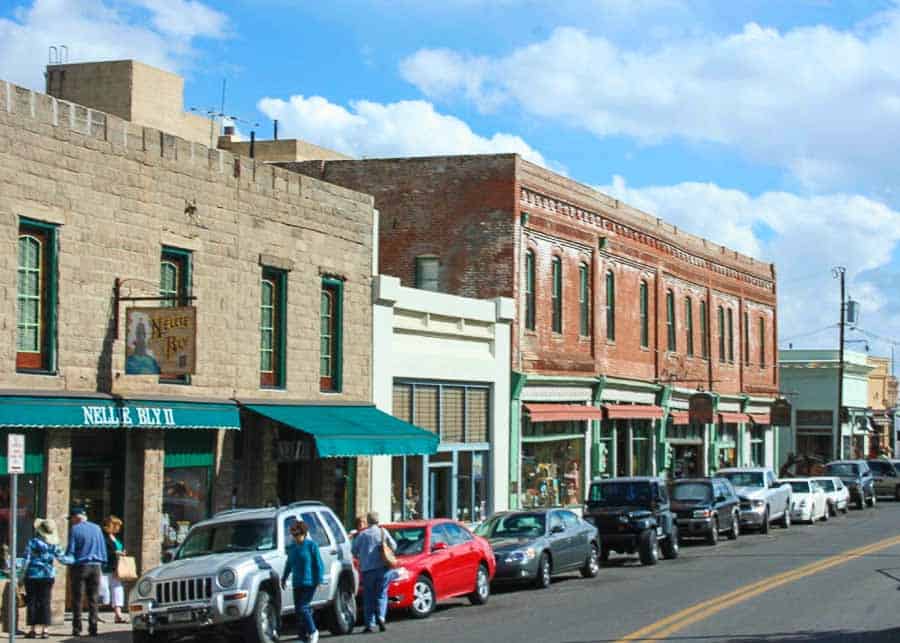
679 620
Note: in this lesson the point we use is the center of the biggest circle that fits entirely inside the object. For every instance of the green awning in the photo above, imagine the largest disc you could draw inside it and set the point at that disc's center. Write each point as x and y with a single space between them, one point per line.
346 431
22 411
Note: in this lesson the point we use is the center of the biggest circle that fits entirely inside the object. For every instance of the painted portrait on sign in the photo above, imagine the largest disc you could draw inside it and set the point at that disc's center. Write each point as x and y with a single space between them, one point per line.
140 360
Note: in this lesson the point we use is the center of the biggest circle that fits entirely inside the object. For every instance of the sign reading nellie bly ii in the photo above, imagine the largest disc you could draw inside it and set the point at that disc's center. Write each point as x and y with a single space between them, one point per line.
160 341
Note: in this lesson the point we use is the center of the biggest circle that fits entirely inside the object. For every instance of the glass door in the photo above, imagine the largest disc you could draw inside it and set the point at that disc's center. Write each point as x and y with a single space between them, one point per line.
440 488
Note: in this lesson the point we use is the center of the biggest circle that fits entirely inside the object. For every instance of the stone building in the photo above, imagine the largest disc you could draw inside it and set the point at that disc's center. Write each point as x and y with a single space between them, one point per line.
99 215
620 316
883 403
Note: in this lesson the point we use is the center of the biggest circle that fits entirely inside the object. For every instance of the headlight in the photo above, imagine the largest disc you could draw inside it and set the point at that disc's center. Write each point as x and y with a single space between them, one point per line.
521 555
145 587
758 503
400 573
702 513
226 578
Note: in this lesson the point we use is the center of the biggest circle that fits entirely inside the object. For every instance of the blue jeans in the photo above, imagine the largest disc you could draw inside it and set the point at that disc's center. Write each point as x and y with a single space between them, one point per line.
303 596
375 586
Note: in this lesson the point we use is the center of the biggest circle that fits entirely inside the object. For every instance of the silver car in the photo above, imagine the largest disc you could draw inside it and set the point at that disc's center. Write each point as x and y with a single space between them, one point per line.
887 478
226 577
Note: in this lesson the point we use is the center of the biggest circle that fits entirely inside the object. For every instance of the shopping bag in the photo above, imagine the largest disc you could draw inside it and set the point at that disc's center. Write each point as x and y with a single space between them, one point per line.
126 569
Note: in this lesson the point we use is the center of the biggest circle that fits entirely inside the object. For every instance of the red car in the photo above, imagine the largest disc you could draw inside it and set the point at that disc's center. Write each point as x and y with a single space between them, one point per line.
438 559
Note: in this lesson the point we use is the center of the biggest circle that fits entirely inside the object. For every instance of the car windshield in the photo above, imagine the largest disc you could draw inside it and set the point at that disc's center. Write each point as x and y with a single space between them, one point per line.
525 525
691 491
410 540
617 494
799 486
846 469
745 478
224 537
881 468
826 484
897 466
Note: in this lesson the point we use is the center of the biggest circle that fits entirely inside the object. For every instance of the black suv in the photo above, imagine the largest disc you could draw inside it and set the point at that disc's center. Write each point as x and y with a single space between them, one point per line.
858 478
706 507
633 515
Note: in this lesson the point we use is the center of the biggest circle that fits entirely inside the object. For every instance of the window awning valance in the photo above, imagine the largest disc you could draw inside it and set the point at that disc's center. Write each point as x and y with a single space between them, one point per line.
632 412
562 412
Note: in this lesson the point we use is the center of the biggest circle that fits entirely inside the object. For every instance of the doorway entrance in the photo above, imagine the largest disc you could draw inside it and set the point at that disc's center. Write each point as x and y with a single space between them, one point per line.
440 479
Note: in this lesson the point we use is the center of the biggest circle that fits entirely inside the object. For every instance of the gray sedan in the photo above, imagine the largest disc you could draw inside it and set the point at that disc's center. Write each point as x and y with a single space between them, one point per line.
533 546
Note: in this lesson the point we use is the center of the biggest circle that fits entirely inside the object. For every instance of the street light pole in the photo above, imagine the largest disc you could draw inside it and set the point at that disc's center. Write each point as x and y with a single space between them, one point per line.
839 273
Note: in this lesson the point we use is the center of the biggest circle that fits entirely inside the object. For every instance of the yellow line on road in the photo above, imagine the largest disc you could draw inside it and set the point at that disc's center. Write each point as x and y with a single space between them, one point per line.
679 620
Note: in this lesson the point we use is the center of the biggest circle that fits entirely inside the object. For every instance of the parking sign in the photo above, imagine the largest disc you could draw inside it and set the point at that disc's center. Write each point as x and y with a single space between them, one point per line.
15 454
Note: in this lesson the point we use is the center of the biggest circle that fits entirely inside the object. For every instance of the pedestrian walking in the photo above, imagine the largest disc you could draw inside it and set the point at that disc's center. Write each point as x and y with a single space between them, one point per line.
368 550
305 566
87 548
41 552
112 592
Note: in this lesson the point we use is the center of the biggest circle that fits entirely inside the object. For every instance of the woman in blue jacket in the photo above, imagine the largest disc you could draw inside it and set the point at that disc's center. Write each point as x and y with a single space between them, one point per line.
304 564
40 554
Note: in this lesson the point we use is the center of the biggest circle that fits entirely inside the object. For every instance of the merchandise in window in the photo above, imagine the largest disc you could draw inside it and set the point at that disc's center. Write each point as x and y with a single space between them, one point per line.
28 499
552 473
406 488
185 502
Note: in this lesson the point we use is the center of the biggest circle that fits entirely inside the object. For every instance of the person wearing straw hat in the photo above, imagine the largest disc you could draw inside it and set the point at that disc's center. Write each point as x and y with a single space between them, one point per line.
40 554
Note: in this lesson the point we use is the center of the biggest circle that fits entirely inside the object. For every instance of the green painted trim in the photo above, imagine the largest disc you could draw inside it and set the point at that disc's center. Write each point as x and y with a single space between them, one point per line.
50 338
280 278
598 450
517 384
34 450
553 438
189 448
337 382
560 379
636 384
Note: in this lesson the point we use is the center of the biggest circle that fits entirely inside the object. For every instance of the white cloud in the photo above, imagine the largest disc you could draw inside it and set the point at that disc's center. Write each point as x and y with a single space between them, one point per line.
804 236
370 129
821 102
157 32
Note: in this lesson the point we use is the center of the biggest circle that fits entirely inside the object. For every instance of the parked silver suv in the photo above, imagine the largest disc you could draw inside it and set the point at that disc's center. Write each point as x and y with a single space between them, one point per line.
226 576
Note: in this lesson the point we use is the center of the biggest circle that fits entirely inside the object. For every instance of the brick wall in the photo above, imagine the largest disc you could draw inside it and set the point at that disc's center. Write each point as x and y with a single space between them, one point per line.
468 211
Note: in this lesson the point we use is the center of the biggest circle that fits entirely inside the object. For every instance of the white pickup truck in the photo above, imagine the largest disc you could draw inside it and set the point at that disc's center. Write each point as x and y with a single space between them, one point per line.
764 499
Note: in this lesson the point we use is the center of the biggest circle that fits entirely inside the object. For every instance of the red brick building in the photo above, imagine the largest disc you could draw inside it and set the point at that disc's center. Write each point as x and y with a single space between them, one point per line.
621 316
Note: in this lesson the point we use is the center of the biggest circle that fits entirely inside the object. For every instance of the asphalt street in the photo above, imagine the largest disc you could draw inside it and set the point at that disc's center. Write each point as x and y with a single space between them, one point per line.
737 592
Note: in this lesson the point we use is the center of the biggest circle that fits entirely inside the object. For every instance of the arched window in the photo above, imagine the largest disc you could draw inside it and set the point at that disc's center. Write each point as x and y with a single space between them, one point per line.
762 342
272 321
645 322
529 290
168 282
557 295
721 334
730 336
610 306
689 325
28 294
584 299
670 322
704 330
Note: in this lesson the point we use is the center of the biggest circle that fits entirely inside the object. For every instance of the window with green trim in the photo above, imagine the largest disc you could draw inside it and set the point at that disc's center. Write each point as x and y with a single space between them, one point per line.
272 321
762 342
529 290
645 322
584 300
330 335
610 306
746 338
671 329
704 330
175 286
730 336
36 297
556 295
689 325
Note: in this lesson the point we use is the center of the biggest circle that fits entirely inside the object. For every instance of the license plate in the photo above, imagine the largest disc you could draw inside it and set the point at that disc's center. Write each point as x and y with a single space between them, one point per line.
181 617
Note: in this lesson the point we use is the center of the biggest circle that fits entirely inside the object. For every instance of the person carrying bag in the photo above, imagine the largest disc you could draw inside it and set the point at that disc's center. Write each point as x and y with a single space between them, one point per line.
374 549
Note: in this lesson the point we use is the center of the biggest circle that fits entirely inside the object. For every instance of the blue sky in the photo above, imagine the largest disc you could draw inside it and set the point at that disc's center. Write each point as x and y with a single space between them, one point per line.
769 126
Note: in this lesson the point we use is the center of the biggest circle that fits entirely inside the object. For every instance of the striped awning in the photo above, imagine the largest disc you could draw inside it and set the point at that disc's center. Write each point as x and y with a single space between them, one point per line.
733 418
632 412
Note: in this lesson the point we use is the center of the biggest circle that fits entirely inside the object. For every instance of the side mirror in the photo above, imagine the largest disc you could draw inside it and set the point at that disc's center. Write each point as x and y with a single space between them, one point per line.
168 556
557 529
439 547
720 498
775 484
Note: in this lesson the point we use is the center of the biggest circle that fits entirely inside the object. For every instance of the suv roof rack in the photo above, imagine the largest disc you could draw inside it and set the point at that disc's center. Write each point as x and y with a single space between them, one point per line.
305 503
225 512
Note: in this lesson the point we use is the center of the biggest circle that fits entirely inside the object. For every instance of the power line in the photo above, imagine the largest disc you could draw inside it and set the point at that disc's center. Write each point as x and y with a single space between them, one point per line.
808 333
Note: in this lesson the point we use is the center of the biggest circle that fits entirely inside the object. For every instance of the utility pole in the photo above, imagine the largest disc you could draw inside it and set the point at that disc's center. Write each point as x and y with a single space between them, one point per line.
840 273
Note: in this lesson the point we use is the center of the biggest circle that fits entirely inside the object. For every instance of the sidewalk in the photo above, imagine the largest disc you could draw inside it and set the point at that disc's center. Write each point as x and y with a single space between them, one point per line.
108 632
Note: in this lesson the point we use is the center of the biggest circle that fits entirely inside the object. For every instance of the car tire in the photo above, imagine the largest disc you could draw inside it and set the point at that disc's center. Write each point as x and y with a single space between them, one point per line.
846 508
735 530
592 565
648 547
143 636
832 509
860 503
785 521
343 609
482 586
671 547
262 625
712 536
544 572
764 525
604 554
873 500
423 598
897 493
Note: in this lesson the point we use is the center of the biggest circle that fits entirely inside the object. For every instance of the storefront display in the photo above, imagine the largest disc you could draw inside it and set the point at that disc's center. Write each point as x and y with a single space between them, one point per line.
552 473
641 448
727 456
187 483
758 446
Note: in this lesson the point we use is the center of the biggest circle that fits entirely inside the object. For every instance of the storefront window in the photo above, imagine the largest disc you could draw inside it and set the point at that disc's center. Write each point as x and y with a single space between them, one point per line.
757 446
471 494
641 449
98 473
816 445
406 488
28 509
604 464
185 501
552 472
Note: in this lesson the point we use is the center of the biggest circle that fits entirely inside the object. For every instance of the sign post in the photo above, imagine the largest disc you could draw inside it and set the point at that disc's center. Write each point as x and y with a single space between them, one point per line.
15 465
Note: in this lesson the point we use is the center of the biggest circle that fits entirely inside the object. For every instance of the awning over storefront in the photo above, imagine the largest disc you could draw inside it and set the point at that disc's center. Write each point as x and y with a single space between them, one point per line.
733 418
107 412
562 412
761 418
680 417
351 430
632 412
